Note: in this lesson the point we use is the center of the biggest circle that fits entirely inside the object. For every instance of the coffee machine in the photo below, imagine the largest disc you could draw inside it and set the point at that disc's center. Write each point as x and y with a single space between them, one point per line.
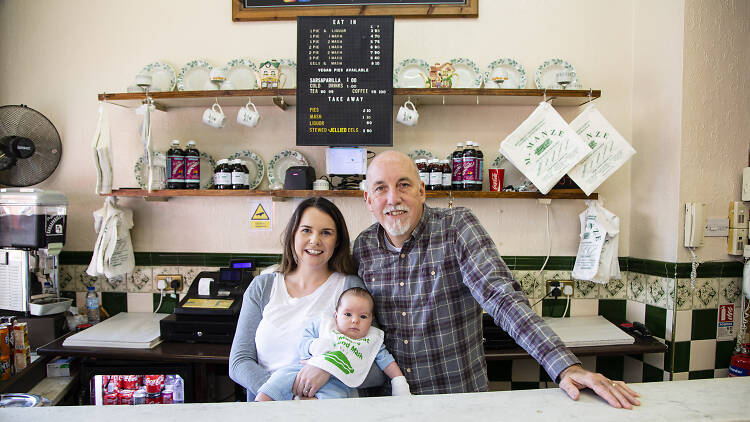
32 234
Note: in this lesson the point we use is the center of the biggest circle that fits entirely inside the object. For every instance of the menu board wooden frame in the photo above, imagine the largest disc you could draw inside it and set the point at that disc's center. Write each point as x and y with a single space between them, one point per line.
288 12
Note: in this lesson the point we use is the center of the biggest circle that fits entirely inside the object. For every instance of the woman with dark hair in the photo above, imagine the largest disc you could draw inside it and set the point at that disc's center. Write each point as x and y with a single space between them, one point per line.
316 267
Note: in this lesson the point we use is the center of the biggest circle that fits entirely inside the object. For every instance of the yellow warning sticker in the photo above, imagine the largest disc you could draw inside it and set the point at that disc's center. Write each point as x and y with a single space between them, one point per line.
260 219
208 303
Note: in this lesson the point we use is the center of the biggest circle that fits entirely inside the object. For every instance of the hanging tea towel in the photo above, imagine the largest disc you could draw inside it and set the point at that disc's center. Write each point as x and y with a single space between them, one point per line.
113 251
597 259
609 150
349 360
101 146
544 148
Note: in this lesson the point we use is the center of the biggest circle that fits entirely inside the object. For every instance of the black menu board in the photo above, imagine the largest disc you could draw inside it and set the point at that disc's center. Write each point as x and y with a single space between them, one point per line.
345 81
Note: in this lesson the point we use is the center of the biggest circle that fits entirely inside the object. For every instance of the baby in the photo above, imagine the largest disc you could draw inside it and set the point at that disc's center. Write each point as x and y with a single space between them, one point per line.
344 346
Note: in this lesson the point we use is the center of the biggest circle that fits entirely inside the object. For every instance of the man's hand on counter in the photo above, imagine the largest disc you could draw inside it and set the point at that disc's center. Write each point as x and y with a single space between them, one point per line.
616 393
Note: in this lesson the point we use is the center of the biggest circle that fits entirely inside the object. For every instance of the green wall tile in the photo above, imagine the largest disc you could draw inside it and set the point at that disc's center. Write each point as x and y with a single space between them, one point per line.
510 261
167 306
500 370
704 324
559 263
529 262
69 295
731 269
697 375
724 352
681 352
613 310
652 373
143 259
524 385
612 367
554 308
75 257
656 321
115 302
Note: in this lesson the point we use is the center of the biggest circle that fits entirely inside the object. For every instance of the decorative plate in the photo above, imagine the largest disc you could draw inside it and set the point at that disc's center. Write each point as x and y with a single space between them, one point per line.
207 170
194 75
163 77
255 167
512 176
140 170
280 163
421 154
505 67
546 74
242 74
468 74
288 68
412 73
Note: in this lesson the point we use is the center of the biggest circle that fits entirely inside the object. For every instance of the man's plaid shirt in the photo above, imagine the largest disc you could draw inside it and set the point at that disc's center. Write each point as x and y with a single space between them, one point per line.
429 300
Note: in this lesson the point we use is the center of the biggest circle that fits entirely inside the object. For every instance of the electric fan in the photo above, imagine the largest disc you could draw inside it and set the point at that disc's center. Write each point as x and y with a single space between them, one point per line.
30 147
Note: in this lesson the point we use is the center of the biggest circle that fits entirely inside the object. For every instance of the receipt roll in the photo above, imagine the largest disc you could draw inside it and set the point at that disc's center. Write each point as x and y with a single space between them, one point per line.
204 286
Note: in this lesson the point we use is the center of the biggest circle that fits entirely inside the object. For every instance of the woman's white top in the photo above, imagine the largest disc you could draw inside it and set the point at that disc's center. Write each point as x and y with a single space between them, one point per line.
284 318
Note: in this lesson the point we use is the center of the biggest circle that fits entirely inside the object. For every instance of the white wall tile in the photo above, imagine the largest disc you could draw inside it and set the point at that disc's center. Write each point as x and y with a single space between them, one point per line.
140 302
654 359
702 355
633 371
684 325
721 373
680 376
584 307
635 311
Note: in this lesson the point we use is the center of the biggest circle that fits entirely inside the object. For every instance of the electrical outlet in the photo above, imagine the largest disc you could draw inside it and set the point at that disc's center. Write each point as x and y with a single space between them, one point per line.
169 279
566 286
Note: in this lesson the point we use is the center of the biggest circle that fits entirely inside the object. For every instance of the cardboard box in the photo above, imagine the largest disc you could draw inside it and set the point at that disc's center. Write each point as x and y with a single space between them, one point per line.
60 367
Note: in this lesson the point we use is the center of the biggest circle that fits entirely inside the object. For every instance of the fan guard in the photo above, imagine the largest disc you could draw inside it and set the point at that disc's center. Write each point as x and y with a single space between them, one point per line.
25 131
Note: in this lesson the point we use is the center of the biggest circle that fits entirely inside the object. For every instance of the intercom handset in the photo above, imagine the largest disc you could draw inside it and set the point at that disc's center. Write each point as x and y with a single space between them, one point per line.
695 222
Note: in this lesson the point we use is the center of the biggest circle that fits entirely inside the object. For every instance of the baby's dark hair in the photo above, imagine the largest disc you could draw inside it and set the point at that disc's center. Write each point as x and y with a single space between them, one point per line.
356 291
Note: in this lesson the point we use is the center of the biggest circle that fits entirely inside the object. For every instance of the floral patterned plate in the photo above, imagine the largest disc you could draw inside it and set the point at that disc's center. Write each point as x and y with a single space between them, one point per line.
255 167
280 163
412 73
242 74
163 77
505 73
546 74
194 75
468 74
288 68
421 153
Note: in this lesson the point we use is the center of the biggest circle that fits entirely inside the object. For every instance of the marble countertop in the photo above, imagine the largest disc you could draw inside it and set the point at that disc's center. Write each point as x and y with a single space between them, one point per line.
719 399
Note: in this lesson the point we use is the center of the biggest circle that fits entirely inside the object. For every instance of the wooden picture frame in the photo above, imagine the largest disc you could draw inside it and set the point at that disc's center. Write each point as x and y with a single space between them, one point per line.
240 13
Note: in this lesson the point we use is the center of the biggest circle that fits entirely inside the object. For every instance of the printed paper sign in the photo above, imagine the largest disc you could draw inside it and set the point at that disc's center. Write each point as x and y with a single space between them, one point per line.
609 150
260 215
725 323
544 148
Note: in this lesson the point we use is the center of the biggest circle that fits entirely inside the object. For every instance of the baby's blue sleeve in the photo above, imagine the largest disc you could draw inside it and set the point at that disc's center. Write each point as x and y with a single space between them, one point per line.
309 334
383 358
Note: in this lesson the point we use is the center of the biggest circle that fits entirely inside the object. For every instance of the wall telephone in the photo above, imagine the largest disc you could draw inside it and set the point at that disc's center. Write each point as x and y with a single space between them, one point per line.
695 223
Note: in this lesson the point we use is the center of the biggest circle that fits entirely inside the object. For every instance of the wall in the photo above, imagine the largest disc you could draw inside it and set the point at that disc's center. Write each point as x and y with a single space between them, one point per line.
715 127
105 44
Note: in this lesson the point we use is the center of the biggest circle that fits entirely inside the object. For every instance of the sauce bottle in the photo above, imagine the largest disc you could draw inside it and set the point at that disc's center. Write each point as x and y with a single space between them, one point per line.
192 166
469 166
457 176
424 173
223 175
480 167
445 168
175 166
436 175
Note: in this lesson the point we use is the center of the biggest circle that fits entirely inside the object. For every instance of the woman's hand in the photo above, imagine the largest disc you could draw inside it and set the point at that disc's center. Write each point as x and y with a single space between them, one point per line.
309 380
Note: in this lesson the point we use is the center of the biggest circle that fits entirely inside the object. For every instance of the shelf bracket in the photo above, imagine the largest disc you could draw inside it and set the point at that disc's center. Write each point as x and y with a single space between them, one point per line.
156 198
279 101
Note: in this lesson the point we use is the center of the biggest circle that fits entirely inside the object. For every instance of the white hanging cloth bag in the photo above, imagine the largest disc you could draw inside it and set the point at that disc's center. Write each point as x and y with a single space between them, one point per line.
597 251
544 147
145 110
102 149
609 150
113 251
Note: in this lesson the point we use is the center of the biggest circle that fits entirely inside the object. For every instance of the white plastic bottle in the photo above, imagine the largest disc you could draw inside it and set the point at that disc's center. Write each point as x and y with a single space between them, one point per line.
178 395
92 306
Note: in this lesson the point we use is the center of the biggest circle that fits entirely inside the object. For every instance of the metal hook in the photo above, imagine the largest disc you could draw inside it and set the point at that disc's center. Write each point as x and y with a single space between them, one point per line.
450 199
545 95
443 99
477 99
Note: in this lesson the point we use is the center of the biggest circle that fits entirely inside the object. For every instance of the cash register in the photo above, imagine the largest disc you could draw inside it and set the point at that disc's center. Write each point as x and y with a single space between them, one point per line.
208 313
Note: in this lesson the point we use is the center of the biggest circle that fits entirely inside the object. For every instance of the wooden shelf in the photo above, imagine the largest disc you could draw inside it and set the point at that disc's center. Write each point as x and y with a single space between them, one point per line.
421 96
163 194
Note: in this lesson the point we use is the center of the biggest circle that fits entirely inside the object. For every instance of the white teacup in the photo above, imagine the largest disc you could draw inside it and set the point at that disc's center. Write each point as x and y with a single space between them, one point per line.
215 118
408 114
247 116
218 74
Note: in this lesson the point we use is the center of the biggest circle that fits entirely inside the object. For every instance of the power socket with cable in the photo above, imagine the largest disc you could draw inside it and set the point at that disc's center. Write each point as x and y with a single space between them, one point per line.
171 282
565 287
